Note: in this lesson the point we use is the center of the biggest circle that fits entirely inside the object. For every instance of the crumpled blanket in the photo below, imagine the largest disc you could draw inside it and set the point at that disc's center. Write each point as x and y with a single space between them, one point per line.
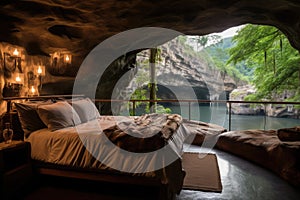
289 134
145 133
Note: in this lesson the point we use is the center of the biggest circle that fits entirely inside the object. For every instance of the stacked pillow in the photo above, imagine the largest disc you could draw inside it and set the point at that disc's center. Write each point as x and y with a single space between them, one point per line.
37 115
29 117
86 109
58 115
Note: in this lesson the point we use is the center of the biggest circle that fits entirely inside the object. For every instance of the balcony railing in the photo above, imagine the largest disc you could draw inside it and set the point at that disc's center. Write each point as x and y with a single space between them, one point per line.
189 102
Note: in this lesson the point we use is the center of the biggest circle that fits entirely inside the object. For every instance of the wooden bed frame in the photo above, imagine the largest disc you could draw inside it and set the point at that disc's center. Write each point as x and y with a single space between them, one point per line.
83 174
104 177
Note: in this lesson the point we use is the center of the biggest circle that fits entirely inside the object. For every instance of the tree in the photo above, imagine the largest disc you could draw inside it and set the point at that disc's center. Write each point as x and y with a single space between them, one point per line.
218 54
152 59
276 63
145 89
202 41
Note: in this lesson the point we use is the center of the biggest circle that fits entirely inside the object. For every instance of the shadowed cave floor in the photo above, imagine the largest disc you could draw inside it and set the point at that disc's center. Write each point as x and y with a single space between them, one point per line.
240 179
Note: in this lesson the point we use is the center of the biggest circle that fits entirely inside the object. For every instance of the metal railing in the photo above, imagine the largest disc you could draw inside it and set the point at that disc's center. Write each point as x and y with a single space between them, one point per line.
199 101
134 103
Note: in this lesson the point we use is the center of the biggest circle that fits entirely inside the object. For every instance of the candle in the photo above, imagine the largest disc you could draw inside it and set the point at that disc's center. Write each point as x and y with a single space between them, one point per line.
18 79
16 52
39 71
32 90
67 58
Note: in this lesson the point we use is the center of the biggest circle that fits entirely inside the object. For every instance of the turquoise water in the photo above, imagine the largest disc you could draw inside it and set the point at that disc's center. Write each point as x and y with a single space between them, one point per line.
217 114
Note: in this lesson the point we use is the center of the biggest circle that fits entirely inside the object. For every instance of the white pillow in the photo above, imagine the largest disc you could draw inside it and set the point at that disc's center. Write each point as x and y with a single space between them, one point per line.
58 115
86 109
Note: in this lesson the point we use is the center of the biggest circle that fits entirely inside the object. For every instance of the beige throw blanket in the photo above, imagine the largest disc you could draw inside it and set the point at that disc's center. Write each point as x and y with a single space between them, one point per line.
145 133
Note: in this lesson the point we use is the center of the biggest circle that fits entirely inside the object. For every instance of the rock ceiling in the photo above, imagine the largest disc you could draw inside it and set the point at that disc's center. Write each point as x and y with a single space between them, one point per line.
42 26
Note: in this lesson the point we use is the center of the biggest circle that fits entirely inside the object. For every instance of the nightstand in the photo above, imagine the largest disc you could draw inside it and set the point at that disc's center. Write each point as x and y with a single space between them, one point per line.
15 168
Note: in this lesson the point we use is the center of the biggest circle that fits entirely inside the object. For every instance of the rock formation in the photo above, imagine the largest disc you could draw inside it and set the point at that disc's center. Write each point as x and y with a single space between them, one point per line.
43 26
271 110
179 67
239 94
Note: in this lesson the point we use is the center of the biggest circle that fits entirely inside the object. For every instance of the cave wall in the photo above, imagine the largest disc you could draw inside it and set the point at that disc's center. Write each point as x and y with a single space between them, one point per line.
57 78
25 67
9 67
43 26
114 81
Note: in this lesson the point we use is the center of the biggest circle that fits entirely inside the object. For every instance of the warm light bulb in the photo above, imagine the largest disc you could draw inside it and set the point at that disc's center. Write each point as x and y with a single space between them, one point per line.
18 79
39 71
67 58
16 53
32 90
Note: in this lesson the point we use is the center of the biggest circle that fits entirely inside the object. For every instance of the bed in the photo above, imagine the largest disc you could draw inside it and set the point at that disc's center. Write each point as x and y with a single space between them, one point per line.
69 138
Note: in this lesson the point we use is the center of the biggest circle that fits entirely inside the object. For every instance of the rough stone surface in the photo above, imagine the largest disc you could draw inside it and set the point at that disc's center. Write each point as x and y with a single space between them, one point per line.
179 69
271 110
43 26
282 110
239 94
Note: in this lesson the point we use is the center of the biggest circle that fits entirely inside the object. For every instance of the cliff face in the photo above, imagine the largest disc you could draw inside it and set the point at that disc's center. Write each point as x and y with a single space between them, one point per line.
180 68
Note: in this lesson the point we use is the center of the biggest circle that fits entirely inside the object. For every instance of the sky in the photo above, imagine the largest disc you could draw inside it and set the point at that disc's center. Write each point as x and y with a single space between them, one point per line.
225 34
229 32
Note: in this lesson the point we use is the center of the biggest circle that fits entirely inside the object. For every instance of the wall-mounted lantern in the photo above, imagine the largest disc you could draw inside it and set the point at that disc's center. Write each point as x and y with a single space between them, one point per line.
59 62
12 61
34 77
13 72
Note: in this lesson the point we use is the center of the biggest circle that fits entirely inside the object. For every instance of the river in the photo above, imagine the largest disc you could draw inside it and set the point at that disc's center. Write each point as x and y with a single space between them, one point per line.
218 115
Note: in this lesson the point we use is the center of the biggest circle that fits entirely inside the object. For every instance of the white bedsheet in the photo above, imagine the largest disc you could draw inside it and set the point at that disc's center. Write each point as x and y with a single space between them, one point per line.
67 147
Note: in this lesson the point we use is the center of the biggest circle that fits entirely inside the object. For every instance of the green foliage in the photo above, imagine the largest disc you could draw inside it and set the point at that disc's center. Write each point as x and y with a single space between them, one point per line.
235 94
268 52
218 56
188 49
203 41
250 97
182 39
142 92
162 110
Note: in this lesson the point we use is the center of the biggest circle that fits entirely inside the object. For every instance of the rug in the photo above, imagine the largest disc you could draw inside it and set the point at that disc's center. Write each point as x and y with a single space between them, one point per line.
201 173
